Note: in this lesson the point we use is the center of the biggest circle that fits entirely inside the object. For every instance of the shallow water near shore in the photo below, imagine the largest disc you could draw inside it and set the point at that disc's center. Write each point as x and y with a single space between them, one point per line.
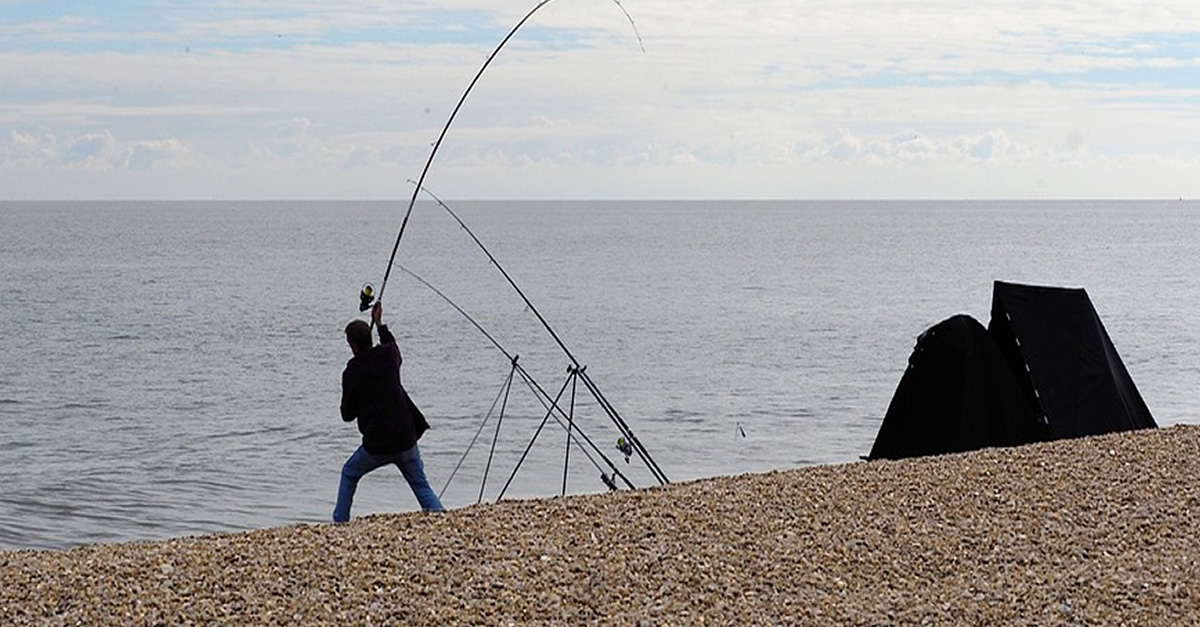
173 368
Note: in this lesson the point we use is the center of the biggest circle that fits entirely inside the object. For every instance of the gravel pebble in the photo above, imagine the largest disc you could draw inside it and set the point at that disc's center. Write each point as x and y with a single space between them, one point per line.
1093 531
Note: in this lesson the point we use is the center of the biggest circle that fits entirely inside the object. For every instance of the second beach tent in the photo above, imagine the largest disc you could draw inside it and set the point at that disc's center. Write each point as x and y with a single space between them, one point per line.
1072 371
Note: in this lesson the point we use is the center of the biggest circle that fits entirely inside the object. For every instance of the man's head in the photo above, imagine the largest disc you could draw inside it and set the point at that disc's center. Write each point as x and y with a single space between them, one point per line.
358 335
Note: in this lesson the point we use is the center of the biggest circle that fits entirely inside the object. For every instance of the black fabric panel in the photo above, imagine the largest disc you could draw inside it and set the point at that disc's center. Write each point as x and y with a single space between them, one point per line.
957 394
1053 338
1135 414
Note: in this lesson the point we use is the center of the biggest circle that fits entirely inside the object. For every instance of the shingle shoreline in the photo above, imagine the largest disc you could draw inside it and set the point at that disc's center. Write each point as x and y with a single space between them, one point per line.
1095 531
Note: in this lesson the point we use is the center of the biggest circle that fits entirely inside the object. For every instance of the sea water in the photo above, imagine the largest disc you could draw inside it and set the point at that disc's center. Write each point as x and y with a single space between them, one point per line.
171 369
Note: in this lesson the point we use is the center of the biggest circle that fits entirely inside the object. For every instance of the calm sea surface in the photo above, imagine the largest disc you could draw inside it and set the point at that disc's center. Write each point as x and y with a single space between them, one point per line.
172 369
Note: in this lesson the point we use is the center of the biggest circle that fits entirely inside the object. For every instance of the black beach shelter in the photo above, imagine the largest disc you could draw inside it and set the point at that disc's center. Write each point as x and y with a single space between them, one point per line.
957 394
1044 369
1072 371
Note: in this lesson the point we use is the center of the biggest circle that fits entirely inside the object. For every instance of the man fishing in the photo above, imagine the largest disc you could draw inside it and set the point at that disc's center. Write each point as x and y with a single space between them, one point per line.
389 421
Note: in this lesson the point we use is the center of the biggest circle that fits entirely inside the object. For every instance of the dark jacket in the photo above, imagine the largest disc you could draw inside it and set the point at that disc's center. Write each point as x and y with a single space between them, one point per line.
372 393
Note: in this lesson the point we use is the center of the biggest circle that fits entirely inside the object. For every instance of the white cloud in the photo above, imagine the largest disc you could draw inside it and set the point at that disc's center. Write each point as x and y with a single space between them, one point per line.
26 151
94 152
904 96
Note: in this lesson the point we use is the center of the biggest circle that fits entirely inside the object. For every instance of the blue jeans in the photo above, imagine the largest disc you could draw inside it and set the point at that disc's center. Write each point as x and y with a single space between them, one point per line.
361 462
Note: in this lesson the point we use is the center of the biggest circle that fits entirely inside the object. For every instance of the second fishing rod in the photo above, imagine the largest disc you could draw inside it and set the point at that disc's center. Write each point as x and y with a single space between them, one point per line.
609 409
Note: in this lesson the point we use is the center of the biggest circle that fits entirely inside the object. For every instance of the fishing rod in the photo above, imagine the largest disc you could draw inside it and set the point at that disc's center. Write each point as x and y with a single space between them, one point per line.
537 390
368 296
626 431
368 291
503 272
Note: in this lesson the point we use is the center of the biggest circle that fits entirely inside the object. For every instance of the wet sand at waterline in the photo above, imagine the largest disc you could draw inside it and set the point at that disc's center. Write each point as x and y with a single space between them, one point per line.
1095 531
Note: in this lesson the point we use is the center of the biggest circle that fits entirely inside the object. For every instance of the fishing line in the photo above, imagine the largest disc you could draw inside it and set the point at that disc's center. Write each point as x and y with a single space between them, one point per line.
532 441
629 17
502 393
437 144
487 469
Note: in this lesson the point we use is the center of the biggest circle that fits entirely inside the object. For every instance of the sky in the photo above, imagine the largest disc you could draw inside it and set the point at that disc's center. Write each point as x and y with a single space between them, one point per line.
591 99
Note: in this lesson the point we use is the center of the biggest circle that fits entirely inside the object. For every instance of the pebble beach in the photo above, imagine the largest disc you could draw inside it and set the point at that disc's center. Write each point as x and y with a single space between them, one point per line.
1093 531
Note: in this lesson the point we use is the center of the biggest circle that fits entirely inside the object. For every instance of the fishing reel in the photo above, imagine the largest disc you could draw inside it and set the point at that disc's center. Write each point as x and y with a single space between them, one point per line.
366 297
625 447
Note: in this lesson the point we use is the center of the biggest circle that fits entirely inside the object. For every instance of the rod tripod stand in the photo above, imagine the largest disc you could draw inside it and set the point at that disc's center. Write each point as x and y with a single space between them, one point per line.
565 417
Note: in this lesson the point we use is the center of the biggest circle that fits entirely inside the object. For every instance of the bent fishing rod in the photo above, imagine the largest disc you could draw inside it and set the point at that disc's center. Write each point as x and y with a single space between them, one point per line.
368 295
626 431
368 291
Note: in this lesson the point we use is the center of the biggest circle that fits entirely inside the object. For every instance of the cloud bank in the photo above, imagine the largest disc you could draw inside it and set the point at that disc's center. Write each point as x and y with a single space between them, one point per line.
774 99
